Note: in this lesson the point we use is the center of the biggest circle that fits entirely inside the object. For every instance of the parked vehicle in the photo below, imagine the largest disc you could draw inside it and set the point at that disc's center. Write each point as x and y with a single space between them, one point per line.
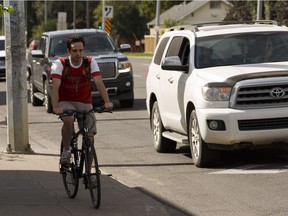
116 69
219 86
2 57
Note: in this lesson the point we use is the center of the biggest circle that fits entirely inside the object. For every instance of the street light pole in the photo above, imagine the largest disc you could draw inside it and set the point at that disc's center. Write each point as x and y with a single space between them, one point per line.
45 12
156 28
103 14
259 9
74 15
87 14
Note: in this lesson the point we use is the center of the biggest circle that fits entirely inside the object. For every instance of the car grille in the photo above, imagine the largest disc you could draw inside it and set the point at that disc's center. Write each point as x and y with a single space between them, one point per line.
263 124
257 94
108 69
261 96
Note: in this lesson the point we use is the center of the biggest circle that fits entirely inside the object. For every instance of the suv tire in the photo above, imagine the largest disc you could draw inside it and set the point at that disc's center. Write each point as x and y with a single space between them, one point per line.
202 156
161 144
47 98
34 100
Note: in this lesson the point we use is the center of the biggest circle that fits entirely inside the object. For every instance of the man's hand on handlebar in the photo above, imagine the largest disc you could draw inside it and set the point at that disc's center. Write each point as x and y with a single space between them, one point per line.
108 106
58 111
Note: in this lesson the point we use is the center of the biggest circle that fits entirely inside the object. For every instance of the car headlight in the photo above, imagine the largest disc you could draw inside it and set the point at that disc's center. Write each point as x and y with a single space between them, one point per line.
124 67
216 93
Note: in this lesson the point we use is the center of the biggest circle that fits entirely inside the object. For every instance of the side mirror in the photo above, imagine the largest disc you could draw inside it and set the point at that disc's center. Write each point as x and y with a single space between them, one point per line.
174 63
125 47
37 54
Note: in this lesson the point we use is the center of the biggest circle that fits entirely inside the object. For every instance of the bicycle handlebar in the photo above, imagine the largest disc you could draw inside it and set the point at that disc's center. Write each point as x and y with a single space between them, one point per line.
99 109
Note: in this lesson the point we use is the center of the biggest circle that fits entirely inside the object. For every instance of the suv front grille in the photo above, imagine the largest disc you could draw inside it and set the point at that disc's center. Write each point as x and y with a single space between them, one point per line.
108 69
261 96
263 124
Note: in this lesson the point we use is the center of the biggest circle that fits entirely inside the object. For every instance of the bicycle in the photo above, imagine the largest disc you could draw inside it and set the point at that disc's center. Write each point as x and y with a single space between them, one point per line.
82 158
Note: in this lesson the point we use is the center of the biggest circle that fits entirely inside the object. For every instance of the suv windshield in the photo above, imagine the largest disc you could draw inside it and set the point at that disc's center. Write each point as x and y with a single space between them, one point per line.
237 49
93 44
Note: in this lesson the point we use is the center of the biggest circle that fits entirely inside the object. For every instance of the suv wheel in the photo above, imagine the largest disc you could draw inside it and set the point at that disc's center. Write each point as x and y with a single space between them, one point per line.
34 100
47 98
161 143
202 156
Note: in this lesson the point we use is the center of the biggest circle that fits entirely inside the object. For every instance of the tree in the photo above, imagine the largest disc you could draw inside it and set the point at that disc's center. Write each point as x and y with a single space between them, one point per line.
241 11
279 12
8 9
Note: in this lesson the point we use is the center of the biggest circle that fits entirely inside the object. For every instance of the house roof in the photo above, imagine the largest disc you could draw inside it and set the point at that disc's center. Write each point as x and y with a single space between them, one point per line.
178 12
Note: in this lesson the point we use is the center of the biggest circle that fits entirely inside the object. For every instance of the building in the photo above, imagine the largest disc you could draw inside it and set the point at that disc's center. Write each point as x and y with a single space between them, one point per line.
186 14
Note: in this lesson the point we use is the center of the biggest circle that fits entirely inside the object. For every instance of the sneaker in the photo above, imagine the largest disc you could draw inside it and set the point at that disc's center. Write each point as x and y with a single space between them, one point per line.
65 157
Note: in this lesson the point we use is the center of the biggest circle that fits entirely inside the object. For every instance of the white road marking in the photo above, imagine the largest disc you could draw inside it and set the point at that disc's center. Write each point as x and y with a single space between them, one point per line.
251 169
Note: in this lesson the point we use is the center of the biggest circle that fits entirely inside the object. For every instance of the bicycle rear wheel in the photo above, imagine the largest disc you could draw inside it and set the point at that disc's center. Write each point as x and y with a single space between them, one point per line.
93 175
69 175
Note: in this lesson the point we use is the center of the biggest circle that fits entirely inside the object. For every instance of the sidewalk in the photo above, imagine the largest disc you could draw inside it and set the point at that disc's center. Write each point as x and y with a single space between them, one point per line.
32 186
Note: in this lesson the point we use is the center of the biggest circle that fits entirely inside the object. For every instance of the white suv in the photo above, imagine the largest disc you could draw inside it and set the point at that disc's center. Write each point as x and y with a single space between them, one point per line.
218 87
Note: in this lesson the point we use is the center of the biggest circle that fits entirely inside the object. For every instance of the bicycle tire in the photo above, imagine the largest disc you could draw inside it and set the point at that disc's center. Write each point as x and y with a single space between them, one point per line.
93 175
69 175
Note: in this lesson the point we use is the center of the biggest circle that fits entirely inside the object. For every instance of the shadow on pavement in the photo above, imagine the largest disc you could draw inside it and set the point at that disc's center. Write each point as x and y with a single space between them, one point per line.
29 192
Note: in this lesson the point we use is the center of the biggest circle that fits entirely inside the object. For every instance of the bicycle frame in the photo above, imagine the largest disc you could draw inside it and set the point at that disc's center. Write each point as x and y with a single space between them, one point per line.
85 138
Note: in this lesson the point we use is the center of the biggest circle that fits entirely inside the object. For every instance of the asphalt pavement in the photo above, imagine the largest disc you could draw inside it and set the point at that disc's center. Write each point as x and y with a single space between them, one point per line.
32 186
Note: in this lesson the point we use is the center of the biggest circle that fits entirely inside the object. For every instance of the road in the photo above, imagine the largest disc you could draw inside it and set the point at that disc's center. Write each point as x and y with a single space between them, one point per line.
243 183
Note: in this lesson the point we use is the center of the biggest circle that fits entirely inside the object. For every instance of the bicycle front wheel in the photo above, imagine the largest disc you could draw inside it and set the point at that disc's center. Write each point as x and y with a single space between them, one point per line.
69 175
93 175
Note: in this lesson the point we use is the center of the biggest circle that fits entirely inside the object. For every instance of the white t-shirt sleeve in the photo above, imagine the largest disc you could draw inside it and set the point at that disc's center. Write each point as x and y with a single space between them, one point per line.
57 68
94 66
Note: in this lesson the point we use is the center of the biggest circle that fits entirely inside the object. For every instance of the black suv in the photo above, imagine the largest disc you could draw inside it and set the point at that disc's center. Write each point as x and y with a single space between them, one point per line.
116 69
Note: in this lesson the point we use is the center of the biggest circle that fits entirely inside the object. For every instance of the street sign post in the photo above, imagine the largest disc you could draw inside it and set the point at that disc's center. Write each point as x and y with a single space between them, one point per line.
108 12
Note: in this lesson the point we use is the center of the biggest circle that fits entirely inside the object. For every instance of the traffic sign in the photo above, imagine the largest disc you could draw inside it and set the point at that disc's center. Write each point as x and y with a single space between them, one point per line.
108 25
108 12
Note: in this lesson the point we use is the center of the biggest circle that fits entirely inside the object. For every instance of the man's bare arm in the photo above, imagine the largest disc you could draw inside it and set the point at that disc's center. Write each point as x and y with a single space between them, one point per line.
102 90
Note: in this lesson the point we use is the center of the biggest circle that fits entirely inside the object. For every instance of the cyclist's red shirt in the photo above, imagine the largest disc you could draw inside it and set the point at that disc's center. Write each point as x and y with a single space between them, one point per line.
75 87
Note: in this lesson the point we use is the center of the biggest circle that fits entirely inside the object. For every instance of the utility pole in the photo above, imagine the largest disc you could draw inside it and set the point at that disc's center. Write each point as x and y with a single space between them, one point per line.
87 14
74 14
103 14
157 28
16 81
259 9
45 12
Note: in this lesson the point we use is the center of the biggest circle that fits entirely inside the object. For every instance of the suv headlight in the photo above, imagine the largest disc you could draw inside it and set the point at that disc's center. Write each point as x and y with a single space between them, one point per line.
124 67
216 93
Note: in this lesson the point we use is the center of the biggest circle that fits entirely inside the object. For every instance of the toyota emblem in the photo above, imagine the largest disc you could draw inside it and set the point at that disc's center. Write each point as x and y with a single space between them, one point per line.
277 93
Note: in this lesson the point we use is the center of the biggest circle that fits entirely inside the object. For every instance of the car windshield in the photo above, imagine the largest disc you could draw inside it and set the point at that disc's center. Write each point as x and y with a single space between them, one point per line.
238 49
96 43
2 44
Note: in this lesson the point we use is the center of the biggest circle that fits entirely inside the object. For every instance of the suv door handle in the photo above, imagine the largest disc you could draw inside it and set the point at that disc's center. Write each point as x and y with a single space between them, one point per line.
170 80
158 76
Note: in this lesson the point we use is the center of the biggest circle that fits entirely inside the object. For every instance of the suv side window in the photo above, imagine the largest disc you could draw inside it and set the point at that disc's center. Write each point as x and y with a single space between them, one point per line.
42 44
180 46
159 53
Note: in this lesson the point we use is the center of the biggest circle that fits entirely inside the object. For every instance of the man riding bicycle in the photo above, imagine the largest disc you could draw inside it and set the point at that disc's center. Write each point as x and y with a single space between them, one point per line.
71 89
